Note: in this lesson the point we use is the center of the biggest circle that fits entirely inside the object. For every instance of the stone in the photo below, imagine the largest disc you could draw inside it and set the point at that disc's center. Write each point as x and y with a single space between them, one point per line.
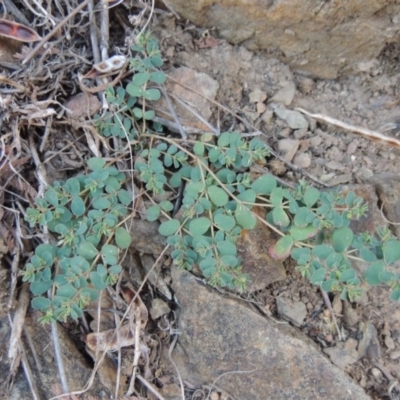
158 308
302 160
289 148
350 315
40 356
369 344
343 354
285 95
221 335
252 247
346 38
293 311
199 82
294 119
257 96
387 186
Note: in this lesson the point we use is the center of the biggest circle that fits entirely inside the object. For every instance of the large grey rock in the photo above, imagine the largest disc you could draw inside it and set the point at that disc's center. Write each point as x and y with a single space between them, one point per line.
247 356
323 38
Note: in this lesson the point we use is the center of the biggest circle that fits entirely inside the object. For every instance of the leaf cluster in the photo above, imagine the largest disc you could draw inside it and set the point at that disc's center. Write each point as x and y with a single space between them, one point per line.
128 105
85 214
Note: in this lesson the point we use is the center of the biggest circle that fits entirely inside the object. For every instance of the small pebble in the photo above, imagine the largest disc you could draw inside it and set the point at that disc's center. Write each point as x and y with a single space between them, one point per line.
302 160
376 373
394 355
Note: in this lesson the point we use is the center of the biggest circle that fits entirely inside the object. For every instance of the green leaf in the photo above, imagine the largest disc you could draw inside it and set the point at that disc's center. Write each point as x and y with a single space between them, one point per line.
166 205
141 78
303 233
367 255
158 77
341 239
372 273
149 115
224 139
318 277
199 226
226 248
248 196
217 195
169 227
347 274
199 148
245 218
329 284
101 203
264 185
87 250
38 288
110 254
386 276
280 217
311 196
282 248
300 219
67 291
124 197
134 90
52 197
395 295
41 303
122 238
151 94
137 112
276 197
322 251
78 206
96 163
98 281
391 251
333 260
224 222
153 213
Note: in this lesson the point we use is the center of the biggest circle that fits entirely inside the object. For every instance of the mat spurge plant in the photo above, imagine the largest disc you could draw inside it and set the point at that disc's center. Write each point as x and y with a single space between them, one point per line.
86 214
215 193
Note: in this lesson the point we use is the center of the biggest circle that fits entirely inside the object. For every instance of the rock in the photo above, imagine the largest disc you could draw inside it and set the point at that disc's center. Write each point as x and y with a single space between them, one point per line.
293 311
252 246
294 119
369 344
350 315
43 364
257 96
347 36
285 95
145 237
334 165
158 308
272 361
82 105
387 186
289 148
340 179
198 81
394 355
267 116
302 160
343 354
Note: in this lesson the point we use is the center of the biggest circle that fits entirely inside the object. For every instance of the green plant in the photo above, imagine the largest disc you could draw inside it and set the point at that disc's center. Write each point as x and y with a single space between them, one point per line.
218 196
86 212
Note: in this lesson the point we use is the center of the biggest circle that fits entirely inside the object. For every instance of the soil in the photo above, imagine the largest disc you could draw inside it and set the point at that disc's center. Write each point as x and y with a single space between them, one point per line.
331 155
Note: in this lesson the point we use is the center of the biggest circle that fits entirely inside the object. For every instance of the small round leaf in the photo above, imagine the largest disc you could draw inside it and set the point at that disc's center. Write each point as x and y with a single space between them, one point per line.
122 238
217 195
169 227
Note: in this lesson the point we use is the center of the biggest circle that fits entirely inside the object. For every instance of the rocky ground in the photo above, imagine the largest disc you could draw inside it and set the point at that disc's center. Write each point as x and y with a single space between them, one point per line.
279 339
